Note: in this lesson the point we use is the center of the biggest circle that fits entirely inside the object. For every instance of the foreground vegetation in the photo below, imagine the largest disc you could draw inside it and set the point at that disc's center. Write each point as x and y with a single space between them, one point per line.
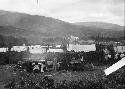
87 79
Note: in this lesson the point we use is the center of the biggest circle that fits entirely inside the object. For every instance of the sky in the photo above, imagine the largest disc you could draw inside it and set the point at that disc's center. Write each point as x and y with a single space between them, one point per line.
110 11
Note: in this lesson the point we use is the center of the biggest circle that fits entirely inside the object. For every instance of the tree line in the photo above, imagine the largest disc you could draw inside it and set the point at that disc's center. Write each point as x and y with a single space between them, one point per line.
7 41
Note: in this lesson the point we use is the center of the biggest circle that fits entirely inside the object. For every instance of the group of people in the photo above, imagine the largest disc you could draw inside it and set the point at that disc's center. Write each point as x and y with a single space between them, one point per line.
38 67
35 66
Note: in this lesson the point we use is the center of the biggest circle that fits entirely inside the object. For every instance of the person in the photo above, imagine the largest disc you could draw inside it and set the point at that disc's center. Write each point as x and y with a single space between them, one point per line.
109 56
82 59
116 56
41 67
19 65
122 55
36 67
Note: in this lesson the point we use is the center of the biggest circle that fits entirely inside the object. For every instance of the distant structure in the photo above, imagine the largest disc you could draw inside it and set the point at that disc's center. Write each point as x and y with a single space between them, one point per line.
79 48
3 50
79 45
119 49
55 50
37 49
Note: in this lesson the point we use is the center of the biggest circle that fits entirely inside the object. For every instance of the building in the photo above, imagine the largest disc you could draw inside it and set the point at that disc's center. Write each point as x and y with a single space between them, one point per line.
79 48
3 49
37 49
119 49
55 50
19 48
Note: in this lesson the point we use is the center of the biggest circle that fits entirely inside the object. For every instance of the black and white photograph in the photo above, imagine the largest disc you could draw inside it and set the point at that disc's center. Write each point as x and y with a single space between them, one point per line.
62 44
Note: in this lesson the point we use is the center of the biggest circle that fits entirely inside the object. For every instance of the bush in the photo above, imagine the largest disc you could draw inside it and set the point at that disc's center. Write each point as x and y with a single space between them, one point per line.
11 57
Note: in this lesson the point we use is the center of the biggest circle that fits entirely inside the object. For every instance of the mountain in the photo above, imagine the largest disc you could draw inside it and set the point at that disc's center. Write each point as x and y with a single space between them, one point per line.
101 25
33 22
38 29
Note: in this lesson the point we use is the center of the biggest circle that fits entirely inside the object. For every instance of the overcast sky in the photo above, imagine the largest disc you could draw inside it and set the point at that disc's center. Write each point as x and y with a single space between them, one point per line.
111 11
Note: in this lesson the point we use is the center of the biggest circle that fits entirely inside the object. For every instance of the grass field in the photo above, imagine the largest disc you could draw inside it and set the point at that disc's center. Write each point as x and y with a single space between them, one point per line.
91 79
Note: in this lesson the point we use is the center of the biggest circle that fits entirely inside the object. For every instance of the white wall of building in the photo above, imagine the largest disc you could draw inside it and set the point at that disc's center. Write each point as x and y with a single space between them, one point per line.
55 50
79 48
37 50
3 49
19 48
119 49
